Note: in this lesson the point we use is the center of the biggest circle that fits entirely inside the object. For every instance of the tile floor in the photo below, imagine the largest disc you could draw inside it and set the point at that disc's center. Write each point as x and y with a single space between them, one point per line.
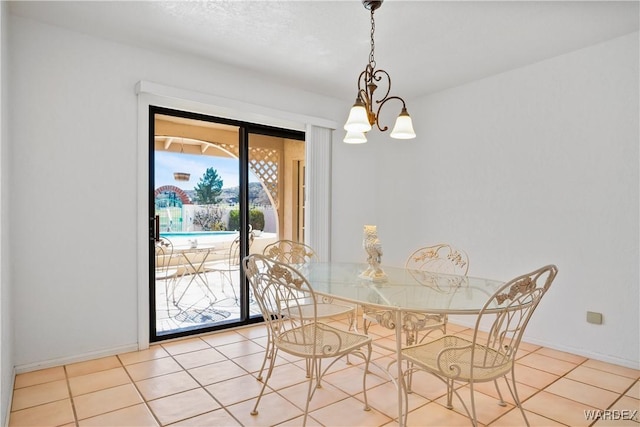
210 381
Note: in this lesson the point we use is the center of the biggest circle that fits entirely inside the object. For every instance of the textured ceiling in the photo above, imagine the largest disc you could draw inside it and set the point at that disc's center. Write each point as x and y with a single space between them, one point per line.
322 46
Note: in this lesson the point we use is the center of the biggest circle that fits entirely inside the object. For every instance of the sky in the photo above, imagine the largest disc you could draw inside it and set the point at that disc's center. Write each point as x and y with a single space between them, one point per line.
166 163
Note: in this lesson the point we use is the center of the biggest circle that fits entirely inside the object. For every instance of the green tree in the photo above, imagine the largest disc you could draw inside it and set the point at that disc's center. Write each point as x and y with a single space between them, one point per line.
209 187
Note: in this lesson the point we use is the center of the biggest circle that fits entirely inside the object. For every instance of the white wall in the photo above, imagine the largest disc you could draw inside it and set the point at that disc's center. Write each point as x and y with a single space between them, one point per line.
74 139
533 166
6 314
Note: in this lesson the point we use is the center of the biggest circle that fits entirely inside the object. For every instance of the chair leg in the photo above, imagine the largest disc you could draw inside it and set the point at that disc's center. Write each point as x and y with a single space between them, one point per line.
264 382
474 420
514 394
313 367
449 393
268 353
501 402
364 378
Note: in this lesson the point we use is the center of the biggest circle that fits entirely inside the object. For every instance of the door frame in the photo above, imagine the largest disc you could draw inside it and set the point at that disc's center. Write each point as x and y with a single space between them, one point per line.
318 134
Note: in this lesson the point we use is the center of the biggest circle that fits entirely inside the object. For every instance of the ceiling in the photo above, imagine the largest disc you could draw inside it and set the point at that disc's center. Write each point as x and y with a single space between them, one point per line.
322 46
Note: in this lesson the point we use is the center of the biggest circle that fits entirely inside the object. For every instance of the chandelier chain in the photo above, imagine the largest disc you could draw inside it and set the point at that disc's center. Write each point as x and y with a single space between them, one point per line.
372 60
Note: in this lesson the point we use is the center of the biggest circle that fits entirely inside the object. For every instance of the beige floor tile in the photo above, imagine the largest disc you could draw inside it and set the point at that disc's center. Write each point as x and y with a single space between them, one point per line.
199 358
39 377
153 368
219 417
350 380
90 366
602 379
27 397
153 352
185 346
216 372
453 328
182 406
427 385
241 348
273 409
489 388
627 404
170 384
98 380
556 354
103 401
634 391
615 423
222 338
133 416
613 369
529 347
533 377
514 418
326 395
349 412
384 399
236 390
594 397
546 363
252 362
49 414
297 422
253 332
434 414
165 385
286 375
487 407
558 408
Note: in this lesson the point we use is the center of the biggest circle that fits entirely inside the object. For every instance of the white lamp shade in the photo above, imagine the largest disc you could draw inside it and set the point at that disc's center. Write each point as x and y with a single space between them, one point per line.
403 128
358 120
355 138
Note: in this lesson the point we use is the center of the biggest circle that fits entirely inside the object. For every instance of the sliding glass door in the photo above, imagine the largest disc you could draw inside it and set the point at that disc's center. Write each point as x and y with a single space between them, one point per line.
218 190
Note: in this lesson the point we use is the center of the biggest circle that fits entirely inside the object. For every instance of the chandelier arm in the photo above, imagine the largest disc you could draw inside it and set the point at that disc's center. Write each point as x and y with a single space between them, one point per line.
382 102
378 77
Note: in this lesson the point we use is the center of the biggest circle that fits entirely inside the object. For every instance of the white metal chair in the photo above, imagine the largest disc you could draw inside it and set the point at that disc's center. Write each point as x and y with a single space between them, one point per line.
490 355
228 267
297 254
284 297
441 258
164 269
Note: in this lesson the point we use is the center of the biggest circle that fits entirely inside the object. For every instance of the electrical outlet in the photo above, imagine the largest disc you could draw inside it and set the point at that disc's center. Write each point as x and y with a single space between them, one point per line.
595 318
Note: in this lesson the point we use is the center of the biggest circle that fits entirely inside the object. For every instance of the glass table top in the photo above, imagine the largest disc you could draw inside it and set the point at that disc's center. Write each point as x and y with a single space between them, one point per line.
411 290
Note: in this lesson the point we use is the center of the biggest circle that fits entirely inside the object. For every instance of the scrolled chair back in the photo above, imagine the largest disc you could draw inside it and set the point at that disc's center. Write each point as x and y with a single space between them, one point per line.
290 252
508 310
441 258
440 266
285 297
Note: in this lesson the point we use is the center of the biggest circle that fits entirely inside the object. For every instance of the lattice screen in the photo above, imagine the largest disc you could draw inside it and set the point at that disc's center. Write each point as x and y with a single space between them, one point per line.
264 163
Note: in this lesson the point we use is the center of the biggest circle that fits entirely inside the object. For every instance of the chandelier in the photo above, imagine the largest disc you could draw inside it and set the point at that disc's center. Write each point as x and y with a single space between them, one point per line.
365 113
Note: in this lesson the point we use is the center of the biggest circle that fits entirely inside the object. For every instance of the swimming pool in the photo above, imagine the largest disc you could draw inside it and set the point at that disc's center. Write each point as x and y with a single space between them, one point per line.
177 234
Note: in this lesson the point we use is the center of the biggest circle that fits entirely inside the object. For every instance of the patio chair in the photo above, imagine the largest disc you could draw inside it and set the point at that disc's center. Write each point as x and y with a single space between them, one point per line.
486 356
441 258
297 254
229 266
284 297
164 270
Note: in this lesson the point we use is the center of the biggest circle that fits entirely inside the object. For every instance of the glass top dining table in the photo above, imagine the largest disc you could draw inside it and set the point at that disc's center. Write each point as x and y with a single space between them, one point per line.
402 290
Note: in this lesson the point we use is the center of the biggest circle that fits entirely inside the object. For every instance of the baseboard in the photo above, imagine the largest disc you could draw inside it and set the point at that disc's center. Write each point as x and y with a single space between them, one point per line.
20 369
633 364
10 403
